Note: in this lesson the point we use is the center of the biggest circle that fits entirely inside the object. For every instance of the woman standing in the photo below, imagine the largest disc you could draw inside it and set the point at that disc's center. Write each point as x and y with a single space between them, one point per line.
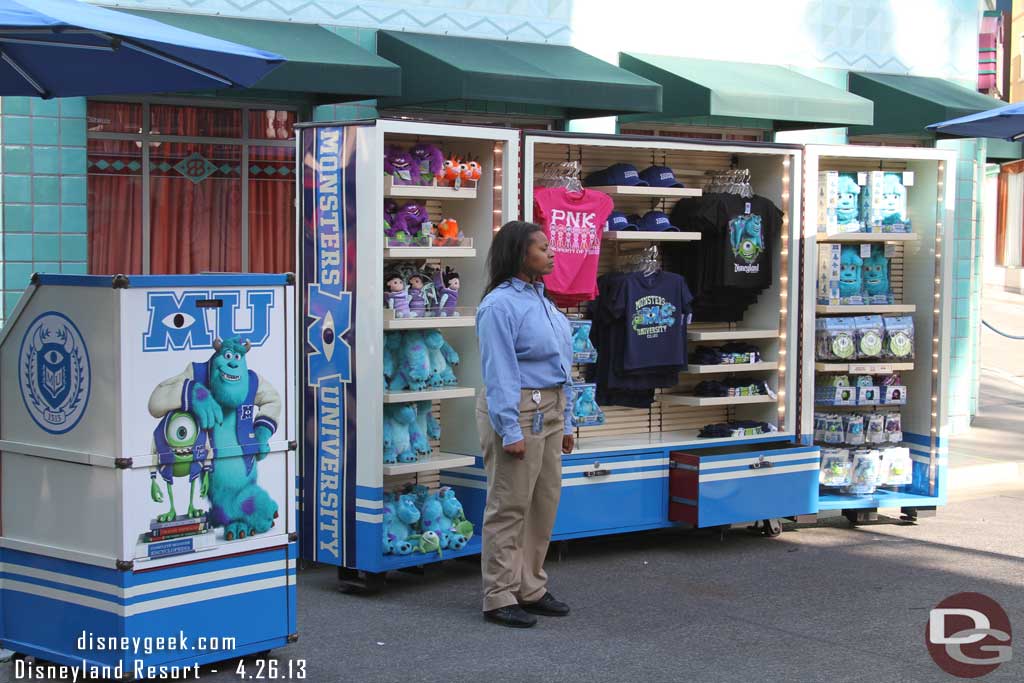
524 420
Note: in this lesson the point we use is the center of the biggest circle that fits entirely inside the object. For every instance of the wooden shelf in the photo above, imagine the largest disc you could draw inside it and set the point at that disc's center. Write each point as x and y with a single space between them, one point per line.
426 191
647 192
721 368
863 368
438 461
428 395
649 236
428 252
729 335
866 309
434 323
855 237
681 400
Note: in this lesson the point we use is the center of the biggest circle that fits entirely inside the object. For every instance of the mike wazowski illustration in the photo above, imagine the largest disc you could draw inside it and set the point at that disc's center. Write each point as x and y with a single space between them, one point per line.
233 409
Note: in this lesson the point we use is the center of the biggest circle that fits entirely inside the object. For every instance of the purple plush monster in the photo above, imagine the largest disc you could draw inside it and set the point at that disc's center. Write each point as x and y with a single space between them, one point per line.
401 166
409 220
430 160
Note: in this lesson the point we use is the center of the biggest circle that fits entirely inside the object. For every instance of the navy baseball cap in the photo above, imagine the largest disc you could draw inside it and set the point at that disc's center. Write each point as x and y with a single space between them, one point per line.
616 174
620 221
656 221
660 176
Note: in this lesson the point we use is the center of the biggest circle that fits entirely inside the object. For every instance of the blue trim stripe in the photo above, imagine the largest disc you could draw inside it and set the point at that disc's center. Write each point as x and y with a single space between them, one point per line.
922 439
465 475
370 492
747 468
369 511
75 280
755 453
211 280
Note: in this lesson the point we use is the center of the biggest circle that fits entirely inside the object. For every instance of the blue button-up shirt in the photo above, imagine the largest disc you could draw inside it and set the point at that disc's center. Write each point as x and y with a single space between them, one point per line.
525 343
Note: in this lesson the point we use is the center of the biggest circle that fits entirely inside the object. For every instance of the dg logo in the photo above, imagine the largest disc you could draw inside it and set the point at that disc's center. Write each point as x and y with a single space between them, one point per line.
969 635
54 372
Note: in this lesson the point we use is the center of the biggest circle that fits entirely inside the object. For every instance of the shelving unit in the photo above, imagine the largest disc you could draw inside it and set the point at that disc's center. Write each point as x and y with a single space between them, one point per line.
859 237
722 368
867 309
730 335
427 191
648 192
920 270
345 478
647 236
700 401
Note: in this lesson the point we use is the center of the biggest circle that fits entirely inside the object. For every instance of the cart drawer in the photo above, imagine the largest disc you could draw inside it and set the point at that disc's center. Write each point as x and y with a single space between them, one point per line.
613 492
740 484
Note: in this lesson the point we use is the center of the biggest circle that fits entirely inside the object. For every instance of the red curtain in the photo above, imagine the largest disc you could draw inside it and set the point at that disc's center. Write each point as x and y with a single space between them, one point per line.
272 210
114 207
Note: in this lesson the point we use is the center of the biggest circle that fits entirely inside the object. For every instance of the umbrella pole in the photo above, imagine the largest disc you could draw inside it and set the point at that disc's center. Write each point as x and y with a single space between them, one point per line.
43 92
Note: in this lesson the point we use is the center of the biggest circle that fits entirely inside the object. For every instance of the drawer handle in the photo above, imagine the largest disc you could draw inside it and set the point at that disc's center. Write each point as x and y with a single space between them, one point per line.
761 462
597 473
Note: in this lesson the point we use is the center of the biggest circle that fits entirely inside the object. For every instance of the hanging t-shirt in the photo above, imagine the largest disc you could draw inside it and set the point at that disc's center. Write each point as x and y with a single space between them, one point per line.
655 308
574 223
750 226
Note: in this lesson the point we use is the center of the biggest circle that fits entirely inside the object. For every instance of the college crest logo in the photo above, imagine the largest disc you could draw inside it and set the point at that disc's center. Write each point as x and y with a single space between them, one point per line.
54 372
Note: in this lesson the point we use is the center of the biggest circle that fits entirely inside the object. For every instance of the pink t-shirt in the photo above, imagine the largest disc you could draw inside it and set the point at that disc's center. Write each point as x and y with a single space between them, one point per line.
573 223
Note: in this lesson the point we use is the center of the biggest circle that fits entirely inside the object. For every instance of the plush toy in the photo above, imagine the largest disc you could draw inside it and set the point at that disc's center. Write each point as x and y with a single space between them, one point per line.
585 410
442 359
850 271
433 519
395 296
430 161
447 287
408 223
389 428
848 206
427 423
417 296
390 356
390 209
403 417
418 429
876 274
429 542
399 517
447 233
453 510
401 166
452 172
412 360
473 171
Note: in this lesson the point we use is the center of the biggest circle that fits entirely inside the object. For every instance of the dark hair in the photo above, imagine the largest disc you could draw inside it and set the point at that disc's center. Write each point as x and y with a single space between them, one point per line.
508 251
449 275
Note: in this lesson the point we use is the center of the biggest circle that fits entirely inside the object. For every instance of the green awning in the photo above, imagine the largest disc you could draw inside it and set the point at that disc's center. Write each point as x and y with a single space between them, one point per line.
446 69
320 63
906 104
790 100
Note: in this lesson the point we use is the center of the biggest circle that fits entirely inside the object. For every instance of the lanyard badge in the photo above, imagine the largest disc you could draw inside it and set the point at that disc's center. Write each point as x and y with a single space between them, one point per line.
538 418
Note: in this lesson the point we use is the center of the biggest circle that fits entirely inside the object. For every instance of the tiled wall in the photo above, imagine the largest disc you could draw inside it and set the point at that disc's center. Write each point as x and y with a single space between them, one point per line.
962 392
42 176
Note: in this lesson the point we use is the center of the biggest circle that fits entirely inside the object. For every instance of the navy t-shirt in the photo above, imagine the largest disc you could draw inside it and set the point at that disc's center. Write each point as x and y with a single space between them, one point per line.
654 308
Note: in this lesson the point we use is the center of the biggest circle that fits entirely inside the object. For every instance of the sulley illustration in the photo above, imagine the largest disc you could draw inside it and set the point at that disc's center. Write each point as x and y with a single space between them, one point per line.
746 238
239 410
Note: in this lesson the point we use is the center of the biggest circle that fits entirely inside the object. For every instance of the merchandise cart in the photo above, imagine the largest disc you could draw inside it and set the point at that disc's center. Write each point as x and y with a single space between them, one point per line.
147 452
346 253
911 243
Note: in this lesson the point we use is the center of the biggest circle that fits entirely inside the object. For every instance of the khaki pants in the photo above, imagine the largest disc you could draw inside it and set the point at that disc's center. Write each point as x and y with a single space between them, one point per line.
522 500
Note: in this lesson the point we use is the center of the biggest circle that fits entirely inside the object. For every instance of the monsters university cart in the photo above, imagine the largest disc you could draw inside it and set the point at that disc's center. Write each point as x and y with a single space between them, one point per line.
146 444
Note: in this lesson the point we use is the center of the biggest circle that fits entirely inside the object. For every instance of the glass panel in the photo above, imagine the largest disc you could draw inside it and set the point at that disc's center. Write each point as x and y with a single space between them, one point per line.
272 209
195 208
271 124
205 122
114 207
114 117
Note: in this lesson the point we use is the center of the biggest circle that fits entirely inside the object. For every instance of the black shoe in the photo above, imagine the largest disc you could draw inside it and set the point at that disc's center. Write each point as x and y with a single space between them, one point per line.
547 606
512 616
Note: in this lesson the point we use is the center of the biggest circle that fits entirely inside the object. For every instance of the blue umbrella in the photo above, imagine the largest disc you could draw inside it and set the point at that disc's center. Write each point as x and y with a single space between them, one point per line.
65 48
1002 122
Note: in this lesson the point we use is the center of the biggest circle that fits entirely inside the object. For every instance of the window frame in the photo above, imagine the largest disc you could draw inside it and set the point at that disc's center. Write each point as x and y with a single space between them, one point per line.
246 142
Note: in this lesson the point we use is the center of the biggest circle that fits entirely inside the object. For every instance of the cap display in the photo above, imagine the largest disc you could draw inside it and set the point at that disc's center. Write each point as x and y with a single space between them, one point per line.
660 176
656 221
616 174
620 221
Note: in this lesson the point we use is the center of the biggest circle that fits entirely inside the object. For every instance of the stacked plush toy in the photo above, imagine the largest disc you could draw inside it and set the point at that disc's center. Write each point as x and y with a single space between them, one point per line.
417 520
408 427
409 225
425 164
417 359
847 277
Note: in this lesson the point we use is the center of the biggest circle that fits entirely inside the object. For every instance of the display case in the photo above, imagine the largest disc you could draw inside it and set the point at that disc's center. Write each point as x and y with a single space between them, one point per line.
147 452
367 258
877 279
617 479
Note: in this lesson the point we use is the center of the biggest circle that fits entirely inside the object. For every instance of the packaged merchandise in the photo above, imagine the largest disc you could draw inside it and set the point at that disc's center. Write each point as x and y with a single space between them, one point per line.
736 428
583 350
869 333
840 275
893 395
828 428
853 427
899 337
875 428
585 411
835 339
832 395
893 427
884 203
865 471
836 467
875 277
868 396
897 468
838 202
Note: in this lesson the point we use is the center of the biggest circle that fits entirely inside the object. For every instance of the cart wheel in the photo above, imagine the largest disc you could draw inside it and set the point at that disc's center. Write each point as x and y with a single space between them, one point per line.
719 531
354 582
771 528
